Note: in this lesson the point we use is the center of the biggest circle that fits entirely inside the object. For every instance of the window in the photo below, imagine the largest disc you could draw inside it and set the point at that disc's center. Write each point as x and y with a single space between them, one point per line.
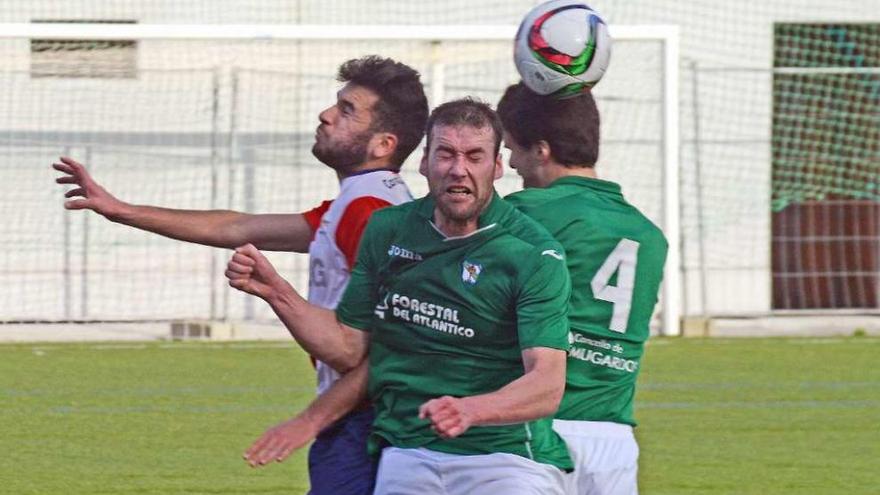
84 58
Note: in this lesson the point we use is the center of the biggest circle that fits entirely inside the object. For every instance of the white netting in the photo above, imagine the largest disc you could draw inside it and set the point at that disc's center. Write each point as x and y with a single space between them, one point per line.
226 124
331 12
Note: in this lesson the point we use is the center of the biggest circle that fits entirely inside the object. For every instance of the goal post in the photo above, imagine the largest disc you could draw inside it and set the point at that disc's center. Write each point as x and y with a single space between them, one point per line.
244 124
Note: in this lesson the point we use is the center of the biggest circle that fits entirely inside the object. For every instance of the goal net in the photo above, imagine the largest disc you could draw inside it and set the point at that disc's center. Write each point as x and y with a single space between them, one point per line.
223 117
826 166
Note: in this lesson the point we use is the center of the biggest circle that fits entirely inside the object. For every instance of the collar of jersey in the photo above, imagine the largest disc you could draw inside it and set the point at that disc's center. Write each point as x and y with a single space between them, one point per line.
447 238
598 184
370 171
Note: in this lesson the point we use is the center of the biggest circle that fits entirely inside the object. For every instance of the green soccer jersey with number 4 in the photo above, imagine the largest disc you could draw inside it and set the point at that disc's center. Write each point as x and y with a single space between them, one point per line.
451 316
615 257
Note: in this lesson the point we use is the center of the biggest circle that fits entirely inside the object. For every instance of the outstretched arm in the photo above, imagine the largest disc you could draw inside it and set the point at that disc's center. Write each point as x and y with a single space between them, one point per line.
220 228
315 329
278 442
534 395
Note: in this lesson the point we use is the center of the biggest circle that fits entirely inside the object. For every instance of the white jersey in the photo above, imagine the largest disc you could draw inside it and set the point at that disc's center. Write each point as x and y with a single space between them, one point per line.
338 226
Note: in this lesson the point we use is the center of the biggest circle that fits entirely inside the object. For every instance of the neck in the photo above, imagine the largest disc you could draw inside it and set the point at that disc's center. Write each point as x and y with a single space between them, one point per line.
451 226
557 171
364 167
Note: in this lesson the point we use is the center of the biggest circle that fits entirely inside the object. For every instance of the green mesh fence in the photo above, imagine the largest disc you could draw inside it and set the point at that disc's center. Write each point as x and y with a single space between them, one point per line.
826 113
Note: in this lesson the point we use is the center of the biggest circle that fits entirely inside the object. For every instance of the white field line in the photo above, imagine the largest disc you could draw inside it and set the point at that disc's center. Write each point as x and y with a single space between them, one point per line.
782 404
184 346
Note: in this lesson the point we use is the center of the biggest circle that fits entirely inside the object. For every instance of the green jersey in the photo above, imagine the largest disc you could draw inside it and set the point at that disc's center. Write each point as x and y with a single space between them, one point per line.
615 256
451 316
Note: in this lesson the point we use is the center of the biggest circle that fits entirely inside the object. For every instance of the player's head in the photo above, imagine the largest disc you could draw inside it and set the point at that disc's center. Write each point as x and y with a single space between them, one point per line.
462 159
540 129
379 115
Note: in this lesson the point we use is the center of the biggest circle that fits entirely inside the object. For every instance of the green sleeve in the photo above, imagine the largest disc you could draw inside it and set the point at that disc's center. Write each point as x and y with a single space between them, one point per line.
542 305
358 304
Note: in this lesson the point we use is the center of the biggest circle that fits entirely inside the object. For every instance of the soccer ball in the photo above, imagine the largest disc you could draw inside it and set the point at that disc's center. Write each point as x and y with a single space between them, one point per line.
562 47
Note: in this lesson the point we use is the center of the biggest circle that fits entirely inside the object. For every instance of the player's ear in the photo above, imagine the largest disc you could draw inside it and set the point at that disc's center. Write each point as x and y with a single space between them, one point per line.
382 145
499 166
542 151
423 165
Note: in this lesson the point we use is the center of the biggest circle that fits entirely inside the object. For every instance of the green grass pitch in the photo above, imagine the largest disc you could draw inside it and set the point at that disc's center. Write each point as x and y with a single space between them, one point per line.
717 416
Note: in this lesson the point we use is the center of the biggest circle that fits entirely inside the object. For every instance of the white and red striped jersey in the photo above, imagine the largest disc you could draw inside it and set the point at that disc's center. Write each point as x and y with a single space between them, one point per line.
338 226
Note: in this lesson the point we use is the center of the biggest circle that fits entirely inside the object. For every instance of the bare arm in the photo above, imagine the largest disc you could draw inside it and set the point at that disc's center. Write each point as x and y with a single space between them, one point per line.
220 228
279 441
315 329
534 395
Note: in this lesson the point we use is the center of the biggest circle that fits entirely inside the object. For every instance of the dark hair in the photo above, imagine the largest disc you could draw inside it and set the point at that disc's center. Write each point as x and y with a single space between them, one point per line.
466 112
569 125
402 108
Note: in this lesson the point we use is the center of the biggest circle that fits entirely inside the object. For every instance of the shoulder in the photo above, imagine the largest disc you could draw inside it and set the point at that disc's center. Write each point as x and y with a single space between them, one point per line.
552 206
654 236
537 259
641 227
388 220
397 212
363 207
528 239
383 184
527 198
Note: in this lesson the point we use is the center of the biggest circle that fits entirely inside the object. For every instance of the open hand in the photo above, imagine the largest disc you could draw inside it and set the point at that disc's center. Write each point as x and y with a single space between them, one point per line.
88 194
280 441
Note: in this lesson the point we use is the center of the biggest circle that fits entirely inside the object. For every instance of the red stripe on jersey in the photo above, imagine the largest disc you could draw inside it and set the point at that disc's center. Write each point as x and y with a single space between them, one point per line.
313 216
352 224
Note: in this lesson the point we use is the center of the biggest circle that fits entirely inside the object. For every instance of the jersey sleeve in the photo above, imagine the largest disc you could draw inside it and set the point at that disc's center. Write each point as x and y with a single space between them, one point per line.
359 301
313 216
543 302
352 224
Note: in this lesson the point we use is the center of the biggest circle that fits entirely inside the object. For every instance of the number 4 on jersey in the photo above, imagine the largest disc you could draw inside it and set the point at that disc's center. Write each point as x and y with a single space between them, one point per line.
622 261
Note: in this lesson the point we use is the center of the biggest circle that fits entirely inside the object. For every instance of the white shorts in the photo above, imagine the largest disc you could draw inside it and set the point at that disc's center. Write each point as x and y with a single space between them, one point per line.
425 472
605 455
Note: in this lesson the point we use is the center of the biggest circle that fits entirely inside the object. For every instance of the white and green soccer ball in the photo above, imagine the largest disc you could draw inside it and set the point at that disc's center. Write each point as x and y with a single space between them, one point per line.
562 47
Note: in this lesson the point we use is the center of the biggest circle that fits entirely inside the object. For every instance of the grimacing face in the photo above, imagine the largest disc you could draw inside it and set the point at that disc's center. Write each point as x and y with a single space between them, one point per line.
342 137
461 166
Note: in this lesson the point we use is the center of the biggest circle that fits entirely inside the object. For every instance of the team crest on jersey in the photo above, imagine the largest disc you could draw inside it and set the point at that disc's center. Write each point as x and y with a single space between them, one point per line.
470 272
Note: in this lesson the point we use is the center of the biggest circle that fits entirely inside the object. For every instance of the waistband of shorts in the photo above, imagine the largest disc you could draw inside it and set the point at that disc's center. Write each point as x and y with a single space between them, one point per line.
592 428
